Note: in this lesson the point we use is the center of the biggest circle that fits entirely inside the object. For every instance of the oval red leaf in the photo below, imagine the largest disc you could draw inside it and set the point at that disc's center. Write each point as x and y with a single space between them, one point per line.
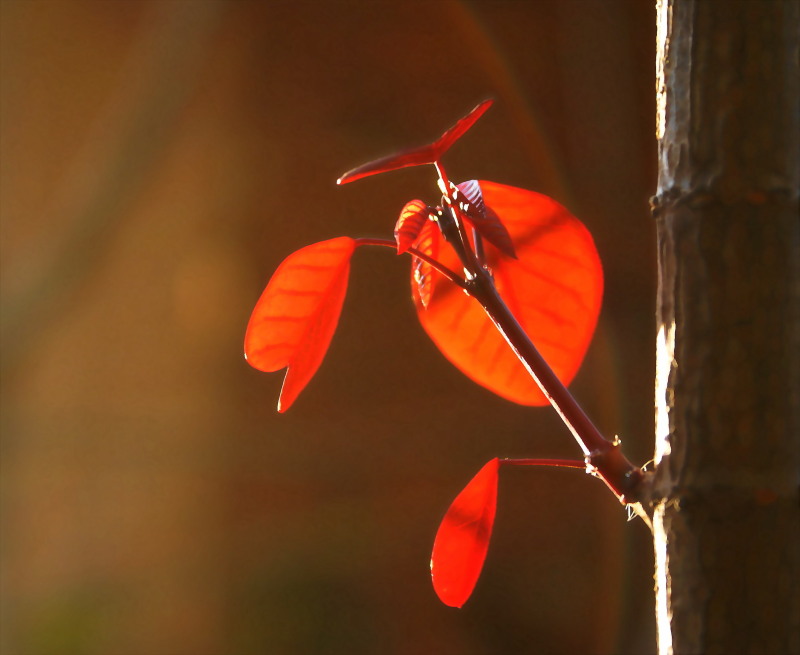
462 541
554 288
295 317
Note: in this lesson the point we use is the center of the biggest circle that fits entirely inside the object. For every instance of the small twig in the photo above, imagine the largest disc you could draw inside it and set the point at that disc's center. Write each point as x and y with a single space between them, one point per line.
386 243
555 463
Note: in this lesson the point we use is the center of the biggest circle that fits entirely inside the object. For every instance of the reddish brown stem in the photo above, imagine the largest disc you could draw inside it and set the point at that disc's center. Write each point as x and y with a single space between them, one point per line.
450 275
605 457
556 463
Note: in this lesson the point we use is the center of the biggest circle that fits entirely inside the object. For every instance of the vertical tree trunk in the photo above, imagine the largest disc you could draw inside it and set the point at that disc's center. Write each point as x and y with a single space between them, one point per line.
727 505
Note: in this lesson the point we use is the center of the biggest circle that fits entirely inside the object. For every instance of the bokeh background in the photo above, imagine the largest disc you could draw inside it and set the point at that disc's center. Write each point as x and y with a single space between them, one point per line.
159 159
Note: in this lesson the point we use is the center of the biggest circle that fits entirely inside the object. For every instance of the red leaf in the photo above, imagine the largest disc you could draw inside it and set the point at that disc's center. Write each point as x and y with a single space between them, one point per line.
484 219
453 134
421 271
412 157
295 317
462 540
412 219
554 289
426 154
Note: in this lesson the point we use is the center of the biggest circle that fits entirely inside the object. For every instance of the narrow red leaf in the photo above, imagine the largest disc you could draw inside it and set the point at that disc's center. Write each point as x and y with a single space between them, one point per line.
461 543
453 134
554 289
403 159
294 320
426 154
412 219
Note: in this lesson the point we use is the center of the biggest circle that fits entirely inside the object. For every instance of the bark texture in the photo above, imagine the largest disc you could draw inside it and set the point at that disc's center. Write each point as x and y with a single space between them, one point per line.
727 502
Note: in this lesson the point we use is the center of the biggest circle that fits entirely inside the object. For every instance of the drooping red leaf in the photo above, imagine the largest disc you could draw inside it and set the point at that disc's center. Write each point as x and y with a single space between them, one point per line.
412 219
484 219
554 289
294 319
461 543
426 154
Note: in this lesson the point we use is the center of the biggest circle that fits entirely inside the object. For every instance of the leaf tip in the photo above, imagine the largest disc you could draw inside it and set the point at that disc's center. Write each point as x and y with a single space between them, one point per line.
286 398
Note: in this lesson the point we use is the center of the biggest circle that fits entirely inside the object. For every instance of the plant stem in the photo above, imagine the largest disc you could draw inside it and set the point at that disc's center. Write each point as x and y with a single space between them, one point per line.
450 275
604 456
556 463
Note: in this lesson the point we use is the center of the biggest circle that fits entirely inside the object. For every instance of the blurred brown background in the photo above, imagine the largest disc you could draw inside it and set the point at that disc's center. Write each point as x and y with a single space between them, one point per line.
159 159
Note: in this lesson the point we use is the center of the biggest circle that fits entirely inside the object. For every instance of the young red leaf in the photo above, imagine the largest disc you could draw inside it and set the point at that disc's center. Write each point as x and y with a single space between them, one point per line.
453 134
295 317
462 540
554 289
412 157
484 219
422 272
426 154
413 217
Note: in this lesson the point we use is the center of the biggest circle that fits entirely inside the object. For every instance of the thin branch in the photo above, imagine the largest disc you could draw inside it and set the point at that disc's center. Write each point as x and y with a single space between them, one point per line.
386 243
606 457
555 463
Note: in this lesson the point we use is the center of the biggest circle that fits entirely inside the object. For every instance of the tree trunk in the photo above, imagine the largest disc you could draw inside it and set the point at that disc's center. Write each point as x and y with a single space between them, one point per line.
726 510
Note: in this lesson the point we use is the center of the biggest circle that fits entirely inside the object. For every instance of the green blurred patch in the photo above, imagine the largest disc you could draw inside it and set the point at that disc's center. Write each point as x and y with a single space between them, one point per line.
73 622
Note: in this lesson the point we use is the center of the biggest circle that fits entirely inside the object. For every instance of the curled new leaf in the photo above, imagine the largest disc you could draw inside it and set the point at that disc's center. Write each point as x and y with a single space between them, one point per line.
462 540
483 218
294 319
422 272
554 289
427 154
412 219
